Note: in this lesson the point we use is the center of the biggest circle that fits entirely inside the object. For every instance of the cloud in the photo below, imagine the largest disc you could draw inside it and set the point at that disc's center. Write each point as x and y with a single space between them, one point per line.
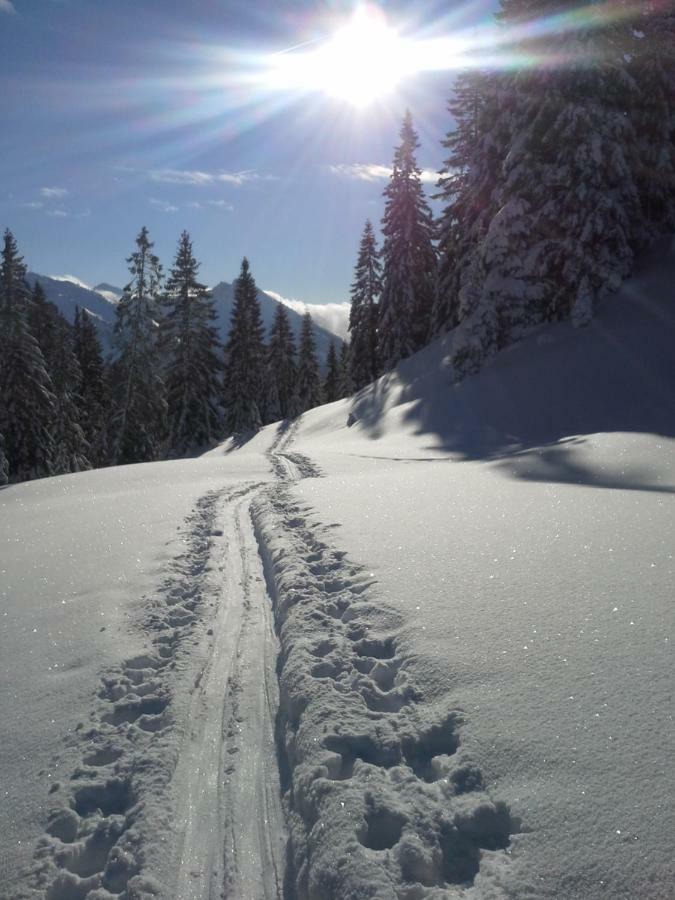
334 317
163 206
7 6
33 204
58 213
221 204
198 177
53 193
375 172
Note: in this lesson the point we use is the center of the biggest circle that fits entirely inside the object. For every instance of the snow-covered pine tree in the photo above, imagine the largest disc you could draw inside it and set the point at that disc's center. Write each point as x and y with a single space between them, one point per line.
281 368
56 340
190 346
346 383
363 355
26 390
476 147
94 394
308 385
651 57
71 448
245 358
567 201
138 423
331 384
409 259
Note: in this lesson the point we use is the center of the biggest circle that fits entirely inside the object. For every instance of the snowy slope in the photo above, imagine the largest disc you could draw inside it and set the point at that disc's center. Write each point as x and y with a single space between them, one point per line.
469 590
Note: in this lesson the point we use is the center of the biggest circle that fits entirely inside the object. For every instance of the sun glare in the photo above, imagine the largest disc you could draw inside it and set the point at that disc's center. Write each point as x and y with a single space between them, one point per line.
364 61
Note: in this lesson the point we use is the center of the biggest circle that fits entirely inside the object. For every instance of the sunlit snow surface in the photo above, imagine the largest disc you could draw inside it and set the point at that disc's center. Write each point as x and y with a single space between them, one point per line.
519 529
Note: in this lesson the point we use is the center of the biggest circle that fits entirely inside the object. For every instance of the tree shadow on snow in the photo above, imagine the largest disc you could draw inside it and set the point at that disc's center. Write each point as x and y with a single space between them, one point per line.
616 375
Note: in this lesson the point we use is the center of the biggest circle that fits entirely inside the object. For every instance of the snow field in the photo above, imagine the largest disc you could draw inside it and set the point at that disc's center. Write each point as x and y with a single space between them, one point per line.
381 800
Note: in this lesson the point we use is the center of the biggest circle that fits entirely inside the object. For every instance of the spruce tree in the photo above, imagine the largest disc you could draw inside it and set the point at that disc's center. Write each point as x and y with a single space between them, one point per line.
94 393
409 259
281 368
331 385
71 448
190 350
138 424
308 386
363 358
346 383
651 55
55 337
245 358
26 391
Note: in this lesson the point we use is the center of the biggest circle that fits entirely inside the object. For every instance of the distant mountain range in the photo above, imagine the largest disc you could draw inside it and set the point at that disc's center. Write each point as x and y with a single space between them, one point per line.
67 292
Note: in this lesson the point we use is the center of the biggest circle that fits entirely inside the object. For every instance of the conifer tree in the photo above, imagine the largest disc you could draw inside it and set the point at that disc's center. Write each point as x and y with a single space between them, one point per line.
71 448
26 390
308 389
346 383
363 359
190 349
245 358
468 182
651 52
138 424
94 393
281 368
56 340
409 258
331 385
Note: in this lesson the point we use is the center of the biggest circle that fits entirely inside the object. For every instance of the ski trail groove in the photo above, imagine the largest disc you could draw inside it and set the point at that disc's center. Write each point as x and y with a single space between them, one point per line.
381 802
142 776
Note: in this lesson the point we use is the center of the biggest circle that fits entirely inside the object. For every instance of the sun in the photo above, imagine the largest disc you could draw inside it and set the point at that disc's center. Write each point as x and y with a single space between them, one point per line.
362 62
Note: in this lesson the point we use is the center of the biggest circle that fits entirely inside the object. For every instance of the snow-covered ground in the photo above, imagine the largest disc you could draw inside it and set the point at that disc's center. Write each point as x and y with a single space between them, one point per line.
436 619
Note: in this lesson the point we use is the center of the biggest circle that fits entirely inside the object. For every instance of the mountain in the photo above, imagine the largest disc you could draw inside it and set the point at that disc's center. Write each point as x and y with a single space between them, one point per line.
67 292
109 291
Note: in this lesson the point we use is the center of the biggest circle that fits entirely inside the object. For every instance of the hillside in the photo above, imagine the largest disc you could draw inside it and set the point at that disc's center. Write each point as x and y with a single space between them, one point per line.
450 605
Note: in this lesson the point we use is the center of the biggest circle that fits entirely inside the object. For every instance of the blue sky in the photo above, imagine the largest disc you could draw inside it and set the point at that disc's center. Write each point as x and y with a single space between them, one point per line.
117 114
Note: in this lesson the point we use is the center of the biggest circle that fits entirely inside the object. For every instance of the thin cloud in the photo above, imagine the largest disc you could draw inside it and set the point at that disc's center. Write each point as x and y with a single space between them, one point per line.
33 204
221 204
200 178
58 213
375 172
163 206
7 6
53 193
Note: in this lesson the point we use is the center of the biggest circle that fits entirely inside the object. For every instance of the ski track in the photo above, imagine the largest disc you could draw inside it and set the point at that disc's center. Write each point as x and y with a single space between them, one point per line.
307 767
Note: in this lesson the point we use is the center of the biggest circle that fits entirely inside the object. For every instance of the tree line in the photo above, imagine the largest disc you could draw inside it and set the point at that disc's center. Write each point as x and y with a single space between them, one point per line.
559 171
169 387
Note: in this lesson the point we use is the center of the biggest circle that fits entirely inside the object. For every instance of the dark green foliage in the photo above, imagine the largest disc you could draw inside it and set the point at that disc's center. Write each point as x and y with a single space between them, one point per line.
27 402
364 359
308 391
281 368
94 392
190 355
138 424
245 358
409 259
331 385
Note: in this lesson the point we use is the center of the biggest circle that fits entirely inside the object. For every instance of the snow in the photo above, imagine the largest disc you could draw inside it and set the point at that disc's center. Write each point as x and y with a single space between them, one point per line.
424 636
